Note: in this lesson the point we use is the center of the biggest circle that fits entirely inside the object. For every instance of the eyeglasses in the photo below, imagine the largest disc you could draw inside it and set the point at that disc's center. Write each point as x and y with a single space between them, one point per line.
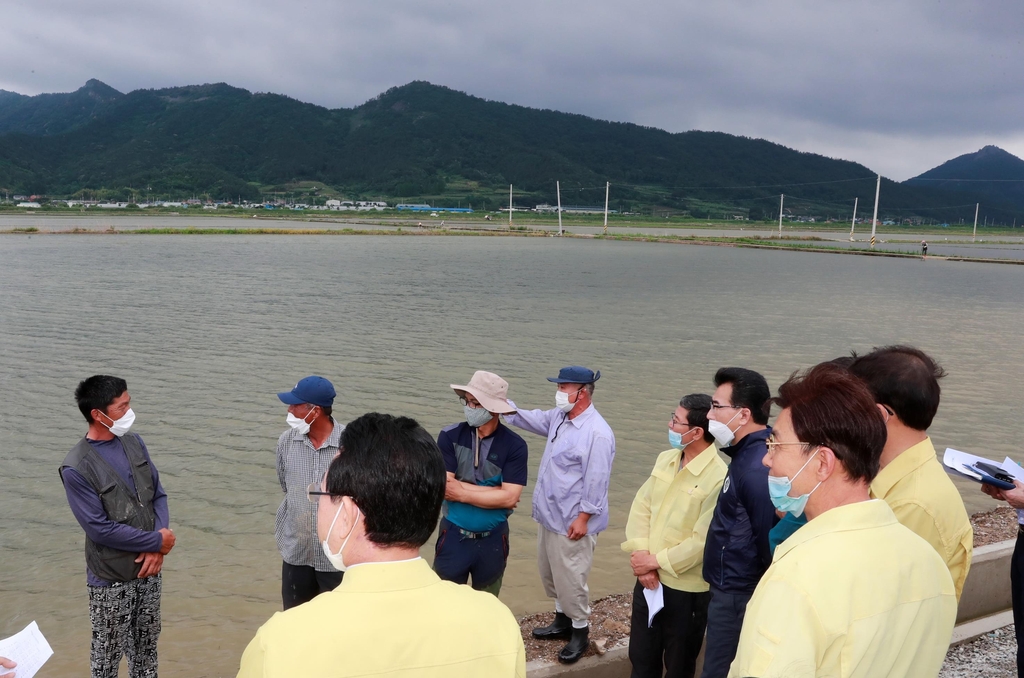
313 493
675 422
719 406
771 443
470 403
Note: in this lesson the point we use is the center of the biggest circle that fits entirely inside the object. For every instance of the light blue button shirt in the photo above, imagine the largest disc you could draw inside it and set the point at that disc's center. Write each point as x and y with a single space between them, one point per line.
575 469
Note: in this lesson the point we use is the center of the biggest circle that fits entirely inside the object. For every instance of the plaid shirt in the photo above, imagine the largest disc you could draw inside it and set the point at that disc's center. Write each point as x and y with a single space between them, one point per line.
298 465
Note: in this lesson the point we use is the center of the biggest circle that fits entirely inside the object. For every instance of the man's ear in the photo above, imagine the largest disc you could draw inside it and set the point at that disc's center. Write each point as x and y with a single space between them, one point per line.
827 463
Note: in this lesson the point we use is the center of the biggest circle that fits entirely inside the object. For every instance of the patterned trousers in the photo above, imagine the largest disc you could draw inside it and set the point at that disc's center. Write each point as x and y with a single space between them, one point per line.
125 621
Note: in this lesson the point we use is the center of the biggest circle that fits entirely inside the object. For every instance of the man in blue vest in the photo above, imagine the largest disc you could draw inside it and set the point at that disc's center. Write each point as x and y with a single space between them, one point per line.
114 491
486 465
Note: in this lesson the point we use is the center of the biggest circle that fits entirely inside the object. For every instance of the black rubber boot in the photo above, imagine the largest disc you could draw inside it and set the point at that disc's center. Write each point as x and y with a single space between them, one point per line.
576 647
560 628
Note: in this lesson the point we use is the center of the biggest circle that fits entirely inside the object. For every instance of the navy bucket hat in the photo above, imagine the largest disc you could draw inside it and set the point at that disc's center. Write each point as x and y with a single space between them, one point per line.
575 375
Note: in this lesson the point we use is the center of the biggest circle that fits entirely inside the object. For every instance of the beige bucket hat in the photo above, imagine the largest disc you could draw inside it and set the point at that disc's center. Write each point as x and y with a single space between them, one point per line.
489 389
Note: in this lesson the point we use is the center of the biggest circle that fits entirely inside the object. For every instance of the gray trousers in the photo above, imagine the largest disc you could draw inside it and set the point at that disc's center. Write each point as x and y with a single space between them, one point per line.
125 621
564 566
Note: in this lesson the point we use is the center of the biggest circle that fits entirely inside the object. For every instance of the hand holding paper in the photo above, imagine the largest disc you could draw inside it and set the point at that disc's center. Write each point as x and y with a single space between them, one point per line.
28 649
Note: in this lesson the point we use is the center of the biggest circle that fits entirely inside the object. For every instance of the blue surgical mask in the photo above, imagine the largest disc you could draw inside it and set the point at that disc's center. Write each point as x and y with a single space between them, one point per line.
676 440
779 488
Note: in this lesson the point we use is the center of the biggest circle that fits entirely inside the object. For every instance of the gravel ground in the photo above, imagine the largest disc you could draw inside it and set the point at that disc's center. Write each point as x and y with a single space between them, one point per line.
994 655
609 621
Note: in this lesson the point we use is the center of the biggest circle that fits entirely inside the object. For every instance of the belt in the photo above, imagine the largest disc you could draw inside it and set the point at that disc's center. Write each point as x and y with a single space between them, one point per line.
472 535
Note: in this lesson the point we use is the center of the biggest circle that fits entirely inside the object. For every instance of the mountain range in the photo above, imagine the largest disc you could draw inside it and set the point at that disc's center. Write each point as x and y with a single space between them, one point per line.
422 142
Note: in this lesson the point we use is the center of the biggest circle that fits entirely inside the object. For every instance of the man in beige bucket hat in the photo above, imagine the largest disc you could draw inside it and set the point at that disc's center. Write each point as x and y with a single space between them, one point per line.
486 465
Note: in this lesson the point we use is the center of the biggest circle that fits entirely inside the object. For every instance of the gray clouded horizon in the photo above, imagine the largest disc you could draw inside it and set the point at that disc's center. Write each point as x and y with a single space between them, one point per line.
897 86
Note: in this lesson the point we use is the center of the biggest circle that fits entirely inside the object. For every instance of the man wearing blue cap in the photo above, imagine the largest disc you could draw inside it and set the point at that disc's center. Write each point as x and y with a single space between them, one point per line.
570 502
304 452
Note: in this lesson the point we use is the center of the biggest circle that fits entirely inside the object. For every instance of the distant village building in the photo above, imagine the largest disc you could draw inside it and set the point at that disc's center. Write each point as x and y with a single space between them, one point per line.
32 205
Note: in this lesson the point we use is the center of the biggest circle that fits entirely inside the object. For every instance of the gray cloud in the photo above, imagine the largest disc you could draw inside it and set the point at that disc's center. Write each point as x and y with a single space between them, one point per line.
899 87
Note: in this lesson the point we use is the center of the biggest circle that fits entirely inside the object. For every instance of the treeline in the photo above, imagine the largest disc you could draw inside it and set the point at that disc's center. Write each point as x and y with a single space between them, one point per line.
420 142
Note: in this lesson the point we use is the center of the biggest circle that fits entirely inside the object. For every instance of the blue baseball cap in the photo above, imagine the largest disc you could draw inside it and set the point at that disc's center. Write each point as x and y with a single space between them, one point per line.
575 375
313 390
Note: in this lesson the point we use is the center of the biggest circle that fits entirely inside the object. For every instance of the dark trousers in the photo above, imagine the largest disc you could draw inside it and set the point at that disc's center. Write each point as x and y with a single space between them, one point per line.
1017 591
302 583
725 619
457 556
671 645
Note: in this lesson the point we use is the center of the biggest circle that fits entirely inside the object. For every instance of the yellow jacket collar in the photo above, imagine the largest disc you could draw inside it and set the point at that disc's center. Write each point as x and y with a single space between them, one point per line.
903 465
859 516
393 576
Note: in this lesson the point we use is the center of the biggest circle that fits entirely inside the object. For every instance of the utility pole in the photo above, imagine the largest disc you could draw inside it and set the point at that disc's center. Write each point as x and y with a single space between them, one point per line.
853 223
510 206
782 196
874 217
976 206
558 190
607 188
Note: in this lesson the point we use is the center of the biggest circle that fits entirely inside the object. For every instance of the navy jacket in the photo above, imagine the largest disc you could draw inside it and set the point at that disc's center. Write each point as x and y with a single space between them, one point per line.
737 553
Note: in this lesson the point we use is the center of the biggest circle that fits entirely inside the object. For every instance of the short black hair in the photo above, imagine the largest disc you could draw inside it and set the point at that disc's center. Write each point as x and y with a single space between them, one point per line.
97 392
833 408
393 470
905 379
749 390
697 406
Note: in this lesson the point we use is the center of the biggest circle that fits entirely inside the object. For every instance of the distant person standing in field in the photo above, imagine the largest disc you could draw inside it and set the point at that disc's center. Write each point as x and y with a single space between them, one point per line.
570 501
905 384
665 534
486 466
114 491
304 452
737 552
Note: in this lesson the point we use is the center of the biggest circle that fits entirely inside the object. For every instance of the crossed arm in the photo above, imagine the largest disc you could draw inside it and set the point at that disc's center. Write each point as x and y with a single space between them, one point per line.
504 496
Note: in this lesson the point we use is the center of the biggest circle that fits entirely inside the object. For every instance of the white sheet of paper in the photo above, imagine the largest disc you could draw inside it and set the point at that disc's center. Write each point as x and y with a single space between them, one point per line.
29 648
655 602
1013 469
957 462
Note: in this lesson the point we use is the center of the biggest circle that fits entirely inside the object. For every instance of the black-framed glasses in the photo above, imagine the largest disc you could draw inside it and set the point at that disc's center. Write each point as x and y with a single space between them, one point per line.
719 406
313 493
676 423
469 403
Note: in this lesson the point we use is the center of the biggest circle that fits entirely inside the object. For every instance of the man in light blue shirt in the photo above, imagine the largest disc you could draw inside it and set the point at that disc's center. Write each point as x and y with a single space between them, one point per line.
570 501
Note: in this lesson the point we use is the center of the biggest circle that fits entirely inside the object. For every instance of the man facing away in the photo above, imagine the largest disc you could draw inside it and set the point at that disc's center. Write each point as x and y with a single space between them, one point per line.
666 531
737 552
391 615
486 466
570 501
304 452
114 491
905 384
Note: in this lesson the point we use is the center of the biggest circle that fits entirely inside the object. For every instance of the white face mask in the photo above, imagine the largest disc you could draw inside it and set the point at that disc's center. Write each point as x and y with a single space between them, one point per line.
300 425
562 401
337 559
120 426
722 433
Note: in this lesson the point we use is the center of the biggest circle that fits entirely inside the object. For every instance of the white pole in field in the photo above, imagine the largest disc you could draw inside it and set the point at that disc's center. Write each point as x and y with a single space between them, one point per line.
607 188
976 206
558 190
782 197
853 223
510 205
874 217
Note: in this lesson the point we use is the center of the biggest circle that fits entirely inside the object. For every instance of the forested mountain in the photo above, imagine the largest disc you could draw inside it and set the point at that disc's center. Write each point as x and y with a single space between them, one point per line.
418 141
991 172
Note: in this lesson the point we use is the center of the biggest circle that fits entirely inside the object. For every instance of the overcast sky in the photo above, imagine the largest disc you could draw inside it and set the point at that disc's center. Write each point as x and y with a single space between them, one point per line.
898 86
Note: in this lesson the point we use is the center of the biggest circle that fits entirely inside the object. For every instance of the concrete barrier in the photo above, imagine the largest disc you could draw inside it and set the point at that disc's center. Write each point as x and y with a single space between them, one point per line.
983 608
